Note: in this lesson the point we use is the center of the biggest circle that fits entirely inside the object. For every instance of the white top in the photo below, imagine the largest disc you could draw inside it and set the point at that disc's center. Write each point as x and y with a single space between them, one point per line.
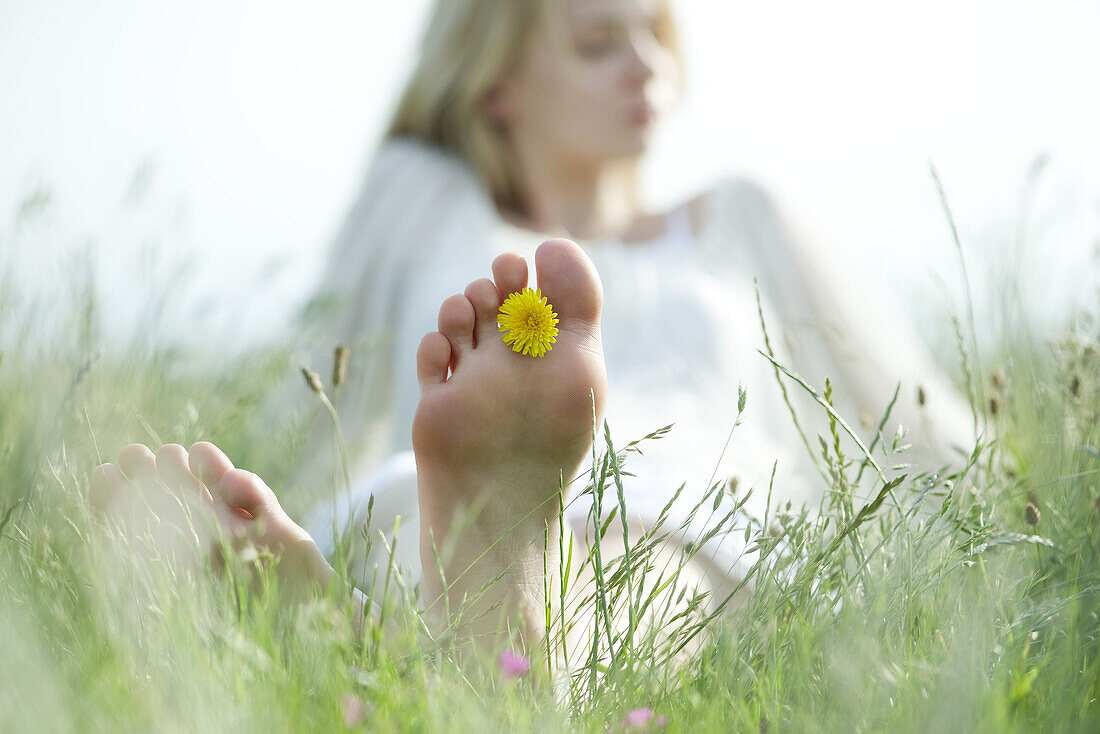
680 336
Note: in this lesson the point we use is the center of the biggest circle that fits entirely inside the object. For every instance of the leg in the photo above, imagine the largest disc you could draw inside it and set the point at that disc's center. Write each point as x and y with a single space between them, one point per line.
495 432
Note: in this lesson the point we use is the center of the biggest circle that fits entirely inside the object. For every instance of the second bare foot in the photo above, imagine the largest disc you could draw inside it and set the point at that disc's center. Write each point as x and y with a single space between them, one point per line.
185 502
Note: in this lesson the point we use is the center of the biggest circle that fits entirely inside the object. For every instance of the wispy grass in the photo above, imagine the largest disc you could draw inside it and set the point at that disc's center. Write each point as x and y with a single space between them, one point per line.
921 602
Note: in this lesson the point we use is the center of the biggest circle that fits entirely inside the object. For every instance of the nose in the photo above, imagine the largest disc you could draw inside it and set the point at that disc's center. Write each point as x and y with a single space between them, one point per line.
644 49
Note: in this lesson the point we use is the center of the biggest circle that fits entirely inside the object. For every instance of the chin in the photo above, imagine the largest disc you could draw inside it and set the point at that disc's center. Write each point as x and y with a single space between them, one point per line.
631 141
633 144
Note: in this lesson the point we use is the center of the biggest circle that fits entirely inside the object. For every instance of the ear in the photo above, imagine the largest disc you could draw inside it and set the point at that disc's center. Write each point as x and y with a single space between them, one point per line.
498 104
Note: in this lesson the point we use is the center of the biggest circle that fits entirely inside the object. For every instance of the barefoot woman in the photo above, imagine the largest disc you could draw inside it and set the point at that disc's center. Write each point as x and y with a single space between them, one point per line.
495 430
526 119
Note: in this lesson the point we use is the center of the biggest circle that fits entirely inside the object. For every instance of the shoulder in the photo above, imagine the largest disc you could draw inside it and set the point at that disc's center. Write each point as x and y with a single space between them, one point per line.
414 159
740 196
415 202
733 202
737 222
413 186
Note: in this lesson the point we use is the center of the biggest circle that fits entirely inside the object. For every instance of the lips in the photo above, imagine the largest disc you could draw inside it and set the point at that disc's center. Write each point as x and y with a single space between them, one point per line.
643 114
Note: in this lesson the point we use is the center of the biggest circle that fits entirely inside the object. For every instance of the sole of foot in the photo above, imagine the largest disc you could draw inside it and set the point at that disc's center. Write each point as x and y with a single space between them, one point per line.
495 432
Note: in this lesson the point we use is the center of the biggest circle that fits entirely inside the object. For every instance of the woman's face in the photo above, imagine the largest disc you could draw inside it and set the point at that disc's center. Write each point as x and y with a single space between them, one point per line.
590 89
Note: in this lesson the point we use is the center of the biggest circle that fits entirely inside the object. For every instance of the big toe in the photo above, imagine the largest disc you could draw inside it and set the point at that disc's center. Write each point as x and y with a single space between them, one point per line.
570 283
243 490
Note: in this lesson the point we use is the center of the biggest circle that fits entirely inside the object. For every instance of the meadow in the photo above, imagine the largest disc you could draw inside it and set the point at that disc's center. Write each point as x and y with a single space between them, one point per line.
966 599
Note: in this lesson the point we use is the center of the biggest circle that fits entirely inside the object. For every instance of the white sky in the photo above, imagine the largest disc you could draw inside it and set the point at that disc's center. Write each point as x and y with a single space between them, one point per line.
251 122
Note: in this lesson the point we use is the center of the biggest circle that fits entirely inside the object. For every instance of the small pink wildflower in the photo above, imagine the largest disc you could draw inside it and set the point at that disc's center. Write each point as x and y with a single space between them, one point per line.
513 665
642 720
355 711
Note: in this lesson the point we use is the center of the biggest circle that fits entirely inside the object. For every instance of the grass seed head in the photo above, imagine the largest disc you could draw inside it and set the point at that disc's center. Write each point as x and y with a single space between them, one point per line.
1031 514
340 365
994 405
313 380
922 396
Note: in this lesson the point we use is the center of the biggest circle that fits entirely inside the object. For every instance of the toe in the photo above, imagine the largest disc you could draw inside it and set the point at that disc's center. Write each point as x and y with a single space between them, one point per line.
485 298
208 463
569 281
456 322
137 462
432 359
510 273
108 484
173 469
244 490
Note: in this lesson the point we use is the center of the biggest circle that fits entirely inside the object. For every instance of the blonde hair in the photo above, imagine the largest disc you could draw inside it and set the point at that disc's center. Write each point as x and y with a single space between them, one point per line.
467 49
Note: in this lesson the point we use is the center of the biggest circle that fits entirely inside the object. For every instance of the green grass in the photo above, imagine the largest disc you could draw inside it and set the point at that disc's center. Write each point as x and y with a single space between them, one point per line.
926 605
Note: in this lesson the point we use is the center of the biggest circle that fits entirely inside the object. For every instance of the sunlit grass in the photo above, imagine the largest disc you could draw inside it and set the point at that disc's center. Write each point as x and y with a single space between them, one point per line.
933 602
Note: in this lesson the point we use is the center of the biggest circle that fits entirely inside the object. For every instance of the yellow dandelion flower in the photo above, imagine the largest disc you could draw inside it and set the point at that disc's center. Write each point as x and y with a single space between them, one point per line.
529 323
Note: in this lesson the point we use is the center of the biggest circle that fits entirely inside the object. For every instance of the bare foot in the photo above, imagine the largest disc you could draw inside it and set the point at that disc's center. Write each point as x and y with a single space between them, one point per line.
185 502
495 431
